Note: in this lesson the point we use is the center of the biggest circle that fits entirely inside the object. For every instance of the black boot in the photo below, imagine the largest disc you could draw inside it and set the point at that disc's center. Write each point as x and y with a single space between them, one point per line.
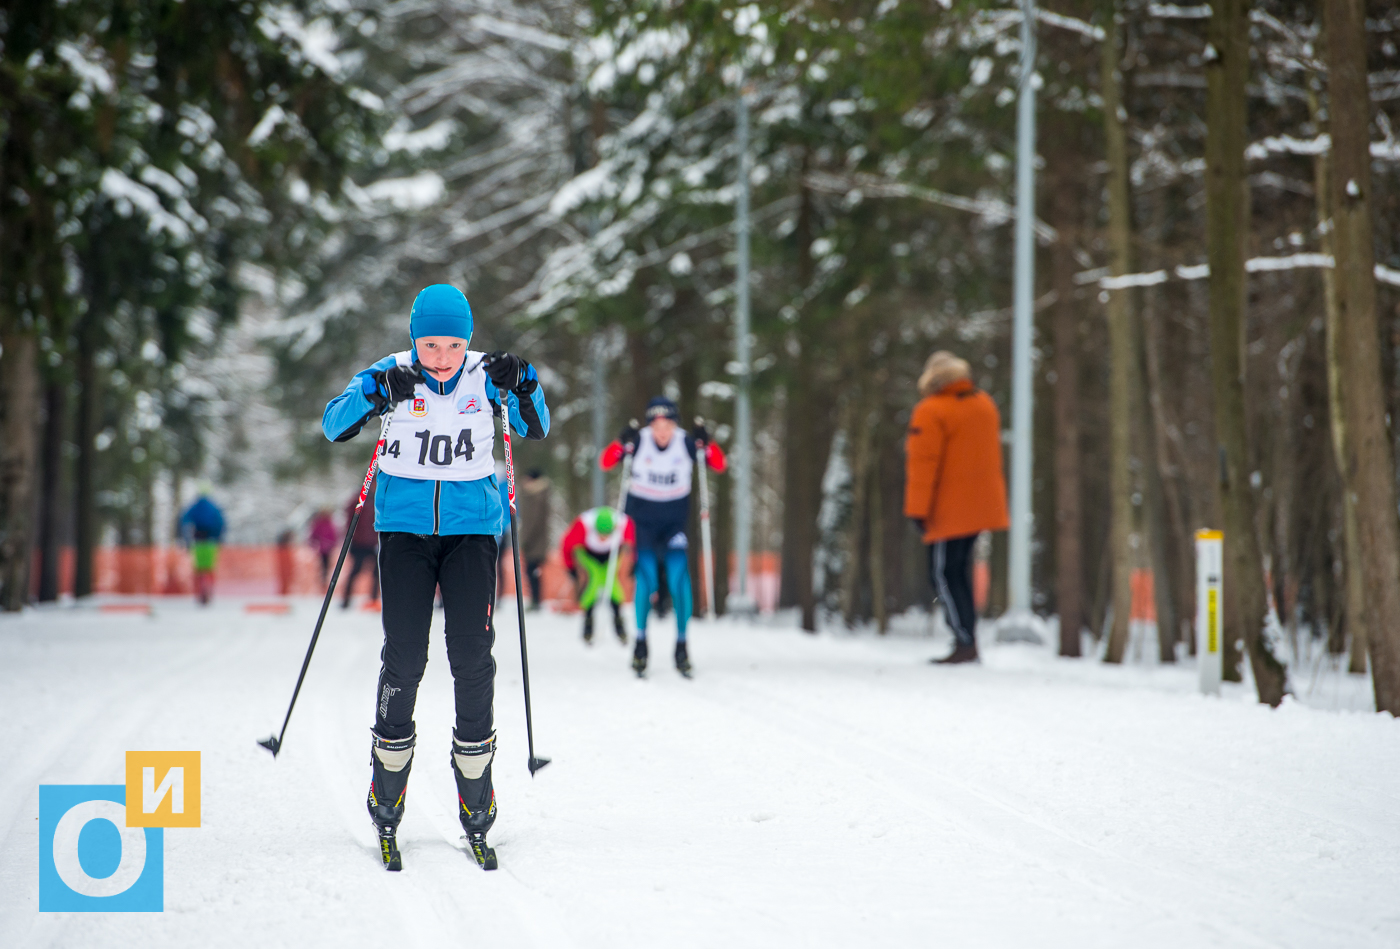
588 626
391 760
618 627
639 657
962 652
476 799
471 766
682 658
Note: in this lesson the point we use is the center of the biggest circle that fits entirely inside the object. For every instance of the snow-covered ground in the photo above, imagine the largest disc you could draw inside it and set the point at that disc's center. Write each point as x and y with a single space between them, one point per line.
800 791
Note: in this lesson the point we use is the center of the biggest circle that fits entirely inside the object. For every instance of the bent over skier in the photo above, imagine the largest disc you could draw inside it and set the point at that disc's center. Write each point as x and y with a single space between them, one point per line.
658 500
587 547
438 513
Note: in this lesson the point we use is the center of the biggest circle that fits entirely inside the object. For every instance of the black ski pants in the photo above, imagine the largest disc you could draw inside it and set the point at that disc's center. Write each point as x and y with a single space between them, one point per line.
411 568
950 569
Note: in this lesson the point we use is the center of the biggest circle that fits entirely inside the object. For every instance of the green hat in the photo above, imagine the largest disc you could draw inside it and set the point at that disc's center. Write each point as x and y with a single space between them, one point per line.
604 520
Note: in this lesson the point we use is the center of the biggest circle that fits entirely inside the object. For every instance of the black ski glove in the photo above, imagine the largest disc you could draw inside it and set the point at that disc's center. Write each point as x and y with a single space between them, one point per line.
630 437
509 371
391 386
700 433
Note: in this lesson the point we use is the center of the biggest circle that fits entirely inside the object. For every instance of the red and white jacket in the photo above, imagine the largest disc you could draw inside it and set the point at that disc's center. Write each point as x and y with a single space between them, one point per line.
583 532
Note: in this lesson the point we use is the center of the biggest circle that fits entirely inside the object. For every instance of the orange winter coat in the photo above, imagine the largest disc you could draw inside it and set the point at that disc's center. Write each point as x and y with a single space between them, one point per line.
953 478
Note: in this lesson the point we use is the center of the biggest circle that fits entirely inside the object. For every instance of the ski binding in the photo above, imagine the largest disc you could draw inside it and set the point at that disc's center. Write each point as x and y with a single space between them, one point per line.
389 848
485 854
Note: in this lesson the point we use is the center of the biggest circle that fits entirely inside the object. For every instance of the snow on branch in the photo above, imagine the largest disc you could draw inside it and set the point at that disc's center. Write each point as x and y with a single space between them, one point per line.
1388 150
1069 23
1301 261
1133 280
1170 11
994 210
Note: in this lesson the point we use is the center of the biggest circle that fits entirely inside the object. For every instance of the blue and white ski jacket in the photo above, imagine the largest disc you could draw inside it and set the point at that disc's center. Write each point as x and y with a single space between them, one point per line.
435 507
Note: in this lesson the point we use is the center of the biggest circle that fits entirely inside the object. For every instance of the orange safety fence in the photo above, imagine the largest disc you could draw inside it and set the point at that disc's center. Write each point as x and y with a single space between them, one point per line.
259 570
270 570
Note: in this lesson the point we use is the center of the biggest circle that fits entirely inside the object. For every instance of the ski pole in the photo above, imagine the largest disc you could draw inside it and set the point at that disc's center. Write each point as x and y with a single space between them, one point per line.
534 763
273 743
616 542
707 553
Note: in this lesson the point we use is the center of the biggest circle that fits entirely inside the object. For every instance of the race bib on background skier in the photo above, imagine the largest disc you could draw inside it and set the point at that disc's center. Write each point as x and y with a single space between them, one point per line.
661 474
442 437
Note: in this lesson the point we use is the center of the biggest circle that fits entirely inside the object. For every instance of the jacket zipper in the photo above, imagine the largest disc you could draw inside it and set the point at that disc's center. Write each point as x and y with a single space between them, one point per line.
437 489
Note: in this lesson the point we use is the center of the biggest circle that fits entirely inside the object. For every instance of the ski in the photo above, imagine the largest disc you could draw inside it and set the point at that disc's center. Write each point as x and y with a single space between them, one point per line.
389 848
485 855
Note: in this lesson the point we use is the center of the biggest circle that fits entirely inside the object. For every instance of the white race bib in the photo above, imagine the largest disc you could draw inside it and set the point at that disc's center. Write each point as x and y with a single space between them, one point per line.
595 540
442 437
661 474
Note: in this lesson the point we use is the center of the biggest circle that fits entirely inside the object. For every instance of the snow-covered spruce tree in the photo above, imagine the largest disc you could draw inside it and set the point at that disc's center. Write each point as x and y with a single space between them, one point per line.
483 121
192 138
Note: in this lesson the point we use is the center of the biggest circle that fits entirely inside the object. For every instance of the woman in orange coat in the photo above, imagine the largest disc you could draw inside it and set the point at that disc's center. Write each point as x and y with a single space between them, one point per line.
954 487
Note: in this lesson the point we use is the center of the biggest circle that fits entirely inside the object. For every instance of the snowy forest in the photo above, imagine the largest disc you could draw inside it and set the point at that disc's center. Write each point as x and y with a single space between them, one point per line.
212 214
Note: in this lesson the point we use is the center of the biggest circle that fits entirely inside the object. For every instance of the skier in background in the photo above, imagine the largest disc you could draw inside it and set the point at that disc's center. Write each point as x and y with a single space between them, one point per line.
364 548
438 513
202 527
323 539
533 502
586 547
658 499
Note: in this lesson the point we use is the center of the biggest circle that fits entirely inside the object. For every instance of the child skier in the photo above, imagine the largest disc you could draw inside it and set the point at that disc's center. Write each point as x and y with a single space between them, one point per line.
586 548
202 527
438 513
658 500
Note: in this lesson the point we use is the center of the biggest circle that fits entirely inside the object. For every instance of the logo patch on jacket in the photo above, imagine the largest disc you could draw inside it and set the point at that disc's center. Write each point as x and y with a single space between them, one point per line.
468 406
419 408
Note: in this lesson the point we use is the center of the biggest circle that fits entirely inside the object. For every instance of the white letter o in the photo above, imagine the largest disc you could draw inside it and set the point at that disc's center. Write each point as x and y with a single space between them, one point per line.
65 849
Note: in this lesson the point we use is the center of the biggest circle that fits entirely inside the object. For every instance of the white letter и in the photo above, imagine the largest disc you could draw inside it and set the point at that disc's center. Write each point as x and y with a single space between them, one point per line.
151 796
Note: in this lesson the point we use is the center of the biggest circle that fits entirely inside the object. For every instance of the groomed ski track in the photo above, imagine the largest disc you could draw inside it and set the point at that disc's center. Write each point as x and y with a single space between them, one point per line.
800 791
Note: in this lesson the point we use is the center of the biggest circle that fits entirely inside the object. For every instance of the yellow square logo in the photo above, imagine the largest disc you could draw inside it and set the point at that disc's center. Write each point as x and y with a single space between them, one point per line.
162 789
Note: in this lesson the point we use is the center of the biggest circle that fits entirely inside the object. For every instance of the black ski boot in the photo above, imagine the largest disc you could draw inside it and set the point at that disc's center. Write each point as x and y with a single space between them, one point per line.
639 657
682 659
618 627
476 799
588 626
391 759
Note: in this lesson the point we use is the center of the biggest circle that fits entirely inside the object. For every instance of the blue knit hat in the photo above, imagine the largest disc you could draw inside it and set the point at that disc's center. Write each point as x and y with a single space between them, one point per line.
440 310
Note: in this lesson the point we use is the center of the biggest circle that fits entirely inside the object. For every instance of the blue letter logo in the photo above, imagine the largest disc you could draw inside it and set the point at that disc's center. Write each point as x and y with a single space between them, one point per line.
89 860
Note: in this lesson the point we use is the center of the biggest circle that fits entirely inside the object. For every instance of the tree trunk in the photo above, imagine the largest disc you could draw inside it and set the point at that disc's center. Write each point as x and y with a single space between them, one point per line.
1227 68
1354 592
19 407
1122 351
1171 533
50 526
1069 521
858 431
84 490
1369 472
808 425
643 376
877 520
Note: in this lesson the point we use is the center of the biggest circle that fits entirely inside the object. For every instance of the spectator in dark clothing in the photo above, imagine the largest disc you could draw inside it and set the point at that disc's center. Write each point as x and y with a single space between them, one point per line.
364 546
534 529
324 538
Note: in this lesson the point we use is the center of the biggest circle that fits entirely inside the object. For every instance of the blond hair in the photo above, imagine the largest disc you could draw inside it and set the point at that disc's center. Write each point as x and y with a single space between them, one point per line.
942 369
